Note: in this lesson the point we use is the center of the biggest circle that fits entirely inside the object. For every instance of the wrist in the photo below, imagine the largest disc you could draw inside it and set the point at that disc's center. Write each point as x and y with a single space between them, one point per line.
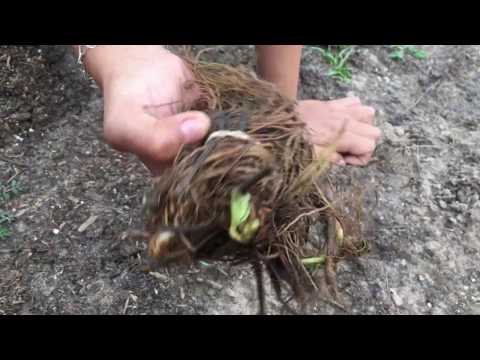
106 62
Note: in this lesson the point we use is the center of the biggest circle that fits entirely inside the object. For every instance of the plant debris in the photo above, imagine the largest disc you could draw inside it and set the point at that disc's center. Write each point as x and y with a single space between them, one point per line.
251 192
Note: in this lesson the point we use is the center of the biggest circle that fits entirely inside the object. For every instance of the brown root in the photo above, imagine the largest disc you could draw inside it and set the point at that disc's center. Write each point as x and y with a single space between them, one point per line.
258 146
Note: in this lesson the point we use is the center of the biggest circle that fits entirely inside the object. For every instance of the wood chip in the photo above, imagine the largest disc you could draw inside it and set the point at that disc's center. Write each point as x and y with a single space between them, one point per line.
126 305
159 276
87 223
396 298
20 213
215 284
223 272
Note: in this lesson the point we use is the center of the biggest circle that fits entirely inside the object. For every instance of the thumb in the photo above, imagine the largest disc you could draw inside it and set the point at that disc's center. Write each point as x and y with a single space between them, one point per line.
158 139
193 126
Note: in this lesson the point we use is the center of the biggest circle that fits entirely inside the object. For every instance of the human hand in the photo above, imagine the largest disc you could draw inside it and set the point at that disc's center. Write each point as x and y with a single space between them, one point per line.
143 89
346 122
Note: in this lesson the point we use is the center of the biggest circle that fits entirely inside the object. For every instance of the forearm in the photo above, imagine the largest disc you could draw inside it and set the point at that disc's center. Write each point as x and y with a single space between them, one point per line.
280 64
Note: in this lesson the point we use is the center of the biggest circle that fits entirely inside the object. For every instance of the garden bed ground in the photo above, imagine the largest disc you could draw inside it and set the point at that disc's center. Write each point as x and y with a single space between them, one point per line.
66 254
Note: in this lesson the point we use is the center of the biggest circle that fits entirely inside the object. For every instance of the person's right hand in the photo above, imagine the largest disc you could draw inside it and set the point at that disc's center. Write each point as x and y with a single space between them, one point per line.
142 88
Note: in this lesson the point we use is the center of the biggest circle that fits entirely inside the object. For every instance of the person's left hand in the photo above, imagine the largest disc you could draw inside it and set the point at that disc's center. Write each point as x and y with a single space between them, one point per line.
346 122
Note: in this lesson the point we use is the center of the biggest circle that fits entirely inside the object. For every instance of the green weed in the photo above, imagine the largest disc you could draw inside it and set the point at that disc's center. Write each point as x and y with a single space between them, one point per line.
337 57
7 193
400 52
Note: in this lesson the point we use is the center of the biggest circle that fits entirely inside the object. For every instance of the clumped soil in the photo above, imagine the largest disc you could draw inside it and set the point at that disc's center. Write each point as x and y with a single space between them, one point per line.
69 254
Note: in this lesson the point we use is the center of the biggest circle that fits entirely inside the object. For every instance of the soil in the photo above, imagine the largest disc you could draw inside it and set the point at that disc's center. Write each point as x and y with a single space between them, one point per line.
68 253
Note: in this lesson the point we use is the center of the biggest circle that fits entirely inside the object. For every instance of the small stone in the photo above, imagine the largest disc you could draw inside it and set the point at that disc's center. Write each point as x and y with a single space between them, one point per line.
21 227
474 280
399 131
442 204
429 305
462 196
403 262
56 231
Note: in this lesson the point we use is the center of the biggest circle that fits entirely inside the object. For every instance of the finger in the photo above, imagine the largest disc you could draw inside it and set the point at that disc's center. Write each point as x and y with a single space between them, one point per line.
369 116
353 144
334 158
338 160
365 114
348 101
364 129
354 160
362 160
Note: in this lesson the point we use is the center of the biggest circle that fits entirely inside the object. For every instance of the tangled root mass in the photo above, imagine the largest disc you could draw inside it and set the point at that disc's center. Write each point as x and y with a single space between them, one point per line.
256 149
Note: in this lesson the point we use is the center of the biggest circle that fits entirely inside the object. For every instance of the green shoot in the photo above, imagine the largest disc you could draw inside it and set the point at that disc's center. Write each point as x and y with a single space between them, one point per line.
6 218
314 263
7 193
4 233
242 228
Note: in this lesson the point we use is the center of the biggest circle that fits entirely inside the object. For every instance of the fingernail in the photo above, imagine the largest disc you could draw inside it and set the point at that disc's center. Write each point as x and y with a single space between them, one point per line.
193 129
341 163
